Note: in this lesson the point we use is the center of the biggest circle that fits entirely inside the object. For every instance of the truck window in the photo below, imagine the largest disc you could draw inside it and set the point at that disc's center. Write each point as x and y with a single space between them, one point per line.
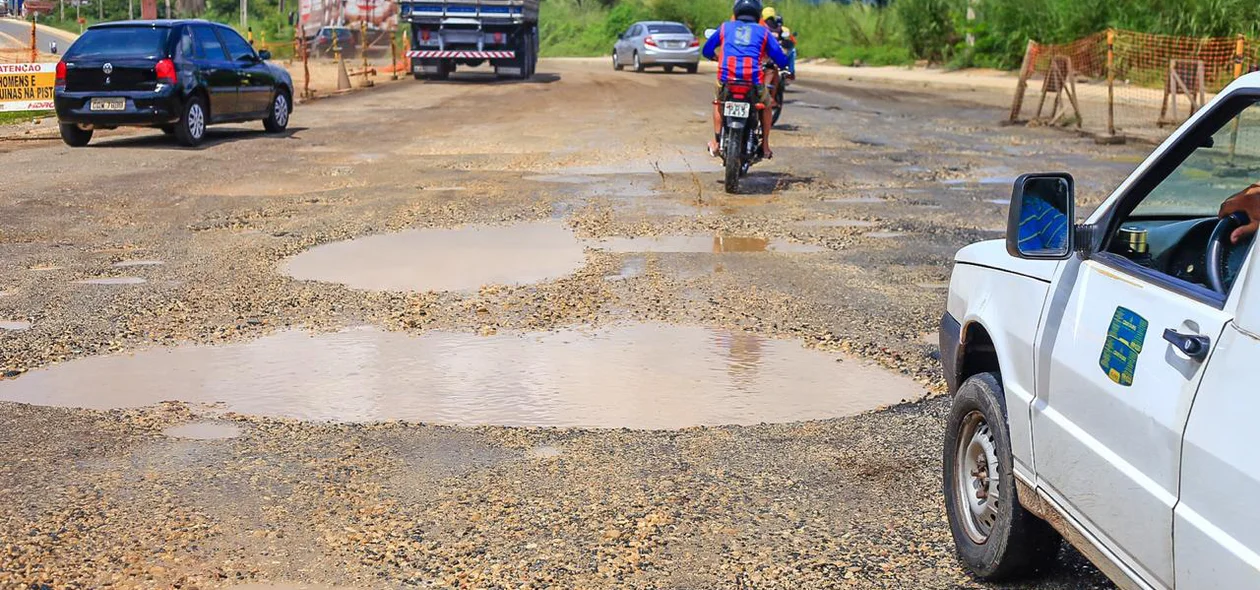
1170 229
1212 173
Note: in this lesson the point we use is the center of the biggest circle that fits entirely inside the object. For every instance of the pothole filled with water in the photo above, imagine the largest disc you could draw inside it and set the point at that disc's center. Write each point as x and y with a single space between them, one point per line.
702 243
469 257
444 259
133 263
112 281
14 325
204 431
835 223
652 376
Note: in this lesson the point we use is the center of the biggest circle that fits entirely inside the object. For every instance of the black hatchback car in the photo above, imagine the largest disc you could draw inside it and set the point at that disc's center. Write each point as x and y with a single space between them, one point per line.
176 75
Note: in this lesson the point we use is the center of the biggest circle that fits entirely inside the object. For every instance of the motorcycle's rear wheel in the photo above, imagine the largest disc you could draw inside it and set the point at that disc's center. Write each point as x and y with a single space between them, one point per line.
733 157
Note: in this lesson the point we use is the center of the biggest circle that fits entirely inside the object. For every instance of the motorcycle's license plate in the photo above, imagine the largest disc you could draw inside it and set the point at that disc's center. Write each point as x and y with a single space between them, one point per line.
108 104
735 109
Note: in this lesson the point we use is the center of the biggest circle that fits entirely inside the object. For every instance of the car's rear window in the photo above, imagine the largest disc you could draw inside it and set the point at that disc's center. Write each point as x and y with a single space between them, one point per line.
669 29
121 42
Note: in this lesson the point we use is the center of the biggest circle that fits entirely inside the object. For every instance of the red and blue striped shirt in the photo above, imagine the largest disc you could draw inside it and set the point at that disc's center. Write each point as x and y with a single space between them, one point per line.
740 48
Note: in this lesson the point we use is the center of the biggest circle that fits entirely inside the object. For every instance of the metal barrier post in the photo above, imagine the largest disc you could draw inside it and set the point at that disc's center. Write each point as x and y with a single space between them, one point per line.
34 48
1111 82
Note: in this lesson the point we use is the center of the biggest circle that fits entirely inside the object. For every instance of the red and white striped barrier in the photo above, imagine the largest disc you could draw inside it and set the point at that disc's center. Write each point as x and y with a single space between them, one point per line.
461 54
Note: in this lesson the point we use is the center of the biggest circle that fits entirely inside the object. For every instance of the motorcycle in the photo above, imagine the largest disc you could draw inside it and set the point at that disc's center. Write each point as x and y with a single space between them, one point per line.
777 89
741 132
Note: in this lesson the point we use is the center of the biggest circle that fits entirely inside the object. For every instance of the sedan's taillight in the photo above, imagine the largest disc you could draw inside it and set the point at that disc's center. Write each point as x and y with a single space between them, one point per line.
165 71
60 82
649 40
694 43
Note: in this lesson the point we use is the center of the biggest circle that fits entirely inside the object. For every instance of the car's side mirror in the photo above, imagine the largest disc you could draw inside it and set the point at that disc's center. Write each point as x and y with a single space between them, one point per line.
1041 224
264 55
709 33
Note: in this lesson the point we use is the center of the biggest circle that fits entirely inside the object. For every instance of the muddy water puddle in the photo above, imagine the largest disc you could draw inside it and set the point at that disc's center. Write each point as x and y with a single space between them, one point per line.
204 431
469 257
444 259
14 325
112 281
702 243
652 376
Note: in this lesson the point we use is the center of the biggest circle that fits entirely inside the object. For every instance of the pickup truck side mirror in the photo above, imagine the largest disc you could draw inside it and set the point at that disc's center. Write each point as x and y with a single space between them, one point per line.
1041 224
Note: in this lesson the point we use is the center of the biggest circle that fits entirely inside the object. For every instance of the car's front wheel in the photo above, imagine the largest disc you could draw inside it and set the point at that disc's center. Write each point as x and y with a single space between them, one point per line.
75 136
191 128
996 538
278 119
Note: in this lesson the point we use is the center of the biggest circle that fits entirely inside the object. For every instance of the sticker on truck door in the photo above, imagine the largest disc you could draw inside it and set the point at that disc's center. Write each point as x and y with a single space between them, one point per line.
1123 346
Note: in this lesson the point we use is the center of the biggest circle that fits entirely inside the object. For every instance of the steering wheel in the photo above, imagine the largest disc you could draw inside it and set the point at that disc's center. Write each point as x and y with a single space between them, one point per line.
1218 245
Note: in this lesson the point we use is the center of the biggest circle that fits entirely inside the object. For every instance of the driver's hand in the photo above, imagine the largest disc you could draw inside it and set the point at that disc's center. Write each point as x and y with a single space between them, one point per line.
1247 201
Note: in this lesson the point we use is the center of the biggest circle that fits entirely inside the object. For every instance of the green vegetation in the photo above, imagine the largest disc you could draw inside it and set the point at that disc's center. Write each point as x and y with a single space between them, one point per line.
909 30
9 118
905 31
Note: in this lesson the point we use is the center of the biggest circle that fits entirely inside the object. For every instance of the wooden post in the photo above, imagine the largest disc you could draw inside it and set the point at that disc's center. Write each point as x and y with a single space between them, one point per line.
407 49
1111 82
34 48
393 57
306 69
1239 47
1018 104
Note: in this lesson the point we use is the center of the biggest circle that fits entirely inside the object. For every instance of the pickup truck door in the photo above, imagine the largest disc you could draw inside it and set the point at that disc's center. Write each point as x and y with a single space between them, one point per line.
1107 426
1113 394
1216 530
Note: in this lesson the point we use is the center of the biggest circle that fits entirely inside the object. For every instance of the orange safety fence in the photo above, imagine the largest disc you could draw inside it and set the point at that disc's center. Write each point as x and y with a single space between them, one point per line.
1119 82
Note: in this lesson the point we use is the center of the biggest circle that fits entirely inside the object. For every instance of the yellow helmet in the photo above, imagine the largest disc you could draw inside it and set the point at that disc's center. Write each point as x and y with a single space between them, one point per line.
768 13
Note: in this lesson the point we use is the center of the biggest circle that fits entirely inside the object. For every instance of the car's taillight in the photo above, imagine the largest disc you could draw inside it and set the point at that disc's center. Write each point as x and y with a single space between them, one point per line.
694 43
61 75
649 40
165 71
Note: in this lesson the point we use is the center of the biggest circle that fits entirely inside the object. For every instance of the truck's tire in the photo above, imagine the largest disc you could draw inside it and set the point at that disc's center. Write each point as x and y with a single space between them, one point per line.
75 136
995 537
732 158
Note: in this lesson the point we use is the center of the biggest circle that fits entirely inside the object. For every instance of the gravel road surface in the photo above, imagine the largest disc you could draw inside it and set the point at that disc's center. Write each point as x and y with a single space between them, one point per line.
872 190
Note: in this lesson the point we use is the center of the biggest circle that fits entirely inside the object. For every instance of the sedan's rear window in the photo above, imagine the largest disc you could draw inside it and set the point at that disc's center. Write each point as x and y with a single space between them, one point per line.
121 42
669 29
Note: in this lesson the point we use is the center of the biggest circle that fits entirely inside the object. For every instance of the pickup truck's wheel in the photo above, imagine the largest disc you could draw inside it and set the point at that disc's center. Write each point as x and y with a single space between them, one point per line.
192 124
278 118
996 538
75 136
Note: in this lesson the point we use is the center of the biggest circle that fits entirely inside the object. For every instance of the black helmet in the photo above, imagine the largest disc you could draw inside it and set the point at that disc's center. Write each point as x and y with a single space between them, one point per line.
747 10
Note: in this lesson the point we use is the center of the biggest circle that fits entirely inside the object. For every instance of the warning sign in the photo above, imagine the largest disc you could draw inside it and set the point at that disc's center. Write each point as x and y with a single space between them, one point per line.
27 87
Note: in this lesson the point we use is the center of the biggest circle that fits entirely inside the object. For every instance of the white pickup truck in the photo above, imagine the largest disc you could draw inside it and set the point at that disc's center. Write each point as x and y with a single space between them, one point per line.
1106 375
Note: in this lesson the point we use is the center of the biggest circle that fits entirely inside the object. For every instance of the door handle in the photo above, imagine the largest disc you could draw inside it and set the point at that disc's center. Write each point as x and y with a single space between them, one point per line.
1191 345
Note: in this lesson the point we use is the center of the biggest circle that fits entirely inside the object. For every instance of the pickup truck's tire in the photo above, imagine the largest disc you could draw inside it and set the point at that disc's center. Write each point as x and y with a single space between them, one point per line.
75 136
995 537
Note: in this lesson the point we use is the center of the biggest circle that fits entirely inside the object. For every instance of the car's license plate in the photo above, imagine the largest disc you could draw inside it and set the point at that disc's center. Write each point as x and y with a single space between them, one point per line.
735 109
108 104
675 45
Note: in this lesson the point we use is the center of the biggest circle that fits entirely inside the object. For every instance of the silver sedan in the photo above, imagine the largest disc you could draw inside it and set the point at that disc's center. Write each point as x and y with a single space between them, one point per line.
657 43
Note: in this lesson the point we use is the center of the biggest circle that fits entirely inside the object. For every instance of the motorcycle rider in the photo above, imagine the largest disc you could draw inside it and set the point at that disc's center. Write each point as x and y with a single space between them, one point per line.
770 17
740 46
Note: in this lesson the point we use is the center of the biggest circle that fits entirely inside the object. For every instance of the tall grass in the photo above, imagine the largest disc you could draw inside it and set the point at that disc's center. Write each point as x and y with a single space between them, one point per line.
843 32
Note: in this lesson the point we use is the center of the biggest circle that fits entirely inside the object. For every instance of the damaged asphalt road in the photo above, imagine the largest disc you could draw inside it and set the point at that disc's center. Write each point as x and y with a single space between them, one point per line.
842 245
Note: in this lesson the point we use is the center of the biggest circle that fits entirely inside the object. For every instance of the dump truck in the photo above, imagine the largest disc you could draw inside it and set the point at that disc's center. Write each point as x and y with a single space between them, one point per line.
446 34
